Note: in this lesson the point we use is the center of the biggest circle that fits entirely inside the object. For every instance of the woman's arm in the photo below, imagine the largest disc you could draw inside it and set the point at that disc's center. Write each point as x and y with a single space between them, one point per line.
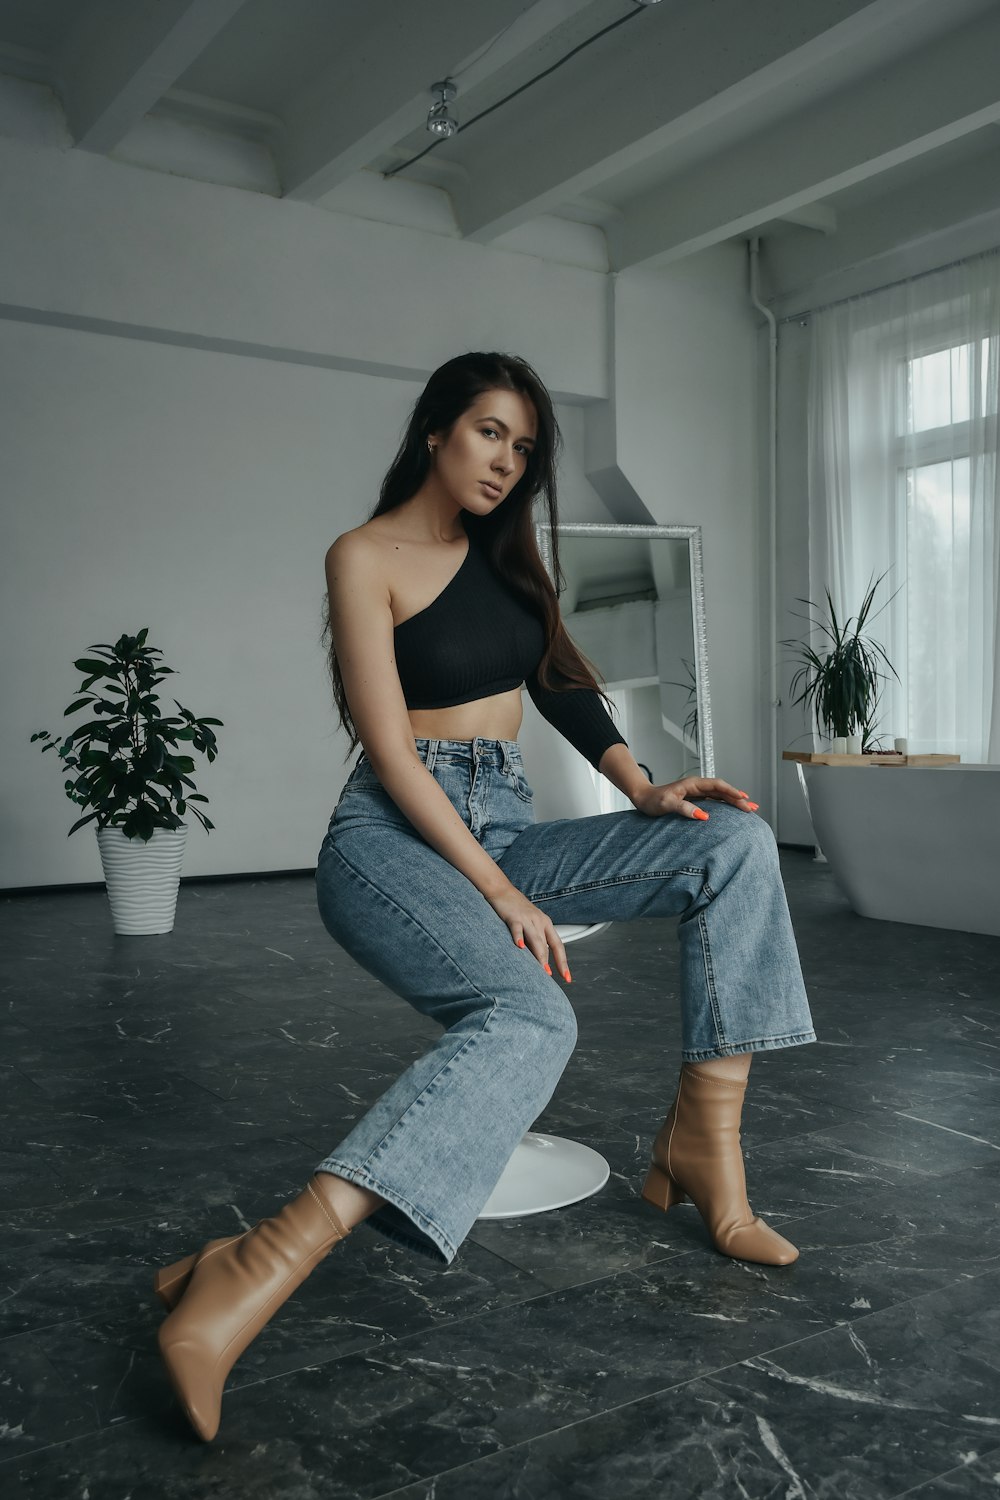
622 770
362 629
579 714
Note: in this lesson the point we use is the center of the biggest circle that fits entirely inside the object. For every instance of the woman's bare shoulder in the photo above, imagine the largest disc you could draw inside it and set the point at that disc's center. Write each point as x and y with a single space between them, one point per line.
361 549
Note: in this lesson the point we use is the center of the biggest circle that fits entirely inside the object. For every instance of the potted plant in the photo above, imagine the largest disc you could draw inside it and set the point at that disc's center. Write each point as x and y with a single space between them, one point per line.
128 772
841 681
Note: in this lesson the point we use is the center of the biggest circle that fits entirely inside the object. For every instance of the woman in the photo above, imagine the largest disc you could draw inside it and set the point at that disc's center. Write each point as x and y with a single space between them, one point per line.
434 877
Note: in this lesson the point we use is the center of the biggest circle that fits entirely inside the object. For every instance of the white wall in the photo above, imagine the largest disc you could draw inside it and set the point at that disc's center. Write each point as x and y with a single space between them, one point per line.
200 387
172 260
687 441
794 825
195 493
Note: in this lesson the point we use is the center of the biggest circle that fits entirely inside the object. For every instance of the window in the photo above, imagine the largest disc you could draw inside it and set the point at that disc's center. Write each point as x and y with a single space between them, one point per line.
903 478
943 398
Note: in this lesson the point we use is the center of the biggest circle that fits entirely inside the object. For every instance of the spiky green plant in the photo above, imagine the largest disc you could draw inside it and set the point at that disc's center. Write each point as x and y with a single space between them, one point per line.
843 684
126 765
690 725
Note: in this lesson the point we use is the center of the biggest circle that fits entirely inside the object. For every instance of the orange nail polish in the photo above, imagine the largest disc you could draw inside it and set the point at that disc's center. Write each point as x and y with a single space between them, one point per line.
700 814
520 942
753 806
744 795
547 969
567 976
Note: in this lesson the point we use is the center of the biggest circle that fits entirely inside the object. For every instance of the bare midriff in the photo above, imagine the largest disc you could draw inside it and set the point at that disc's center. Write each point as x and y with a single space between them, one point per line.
495 718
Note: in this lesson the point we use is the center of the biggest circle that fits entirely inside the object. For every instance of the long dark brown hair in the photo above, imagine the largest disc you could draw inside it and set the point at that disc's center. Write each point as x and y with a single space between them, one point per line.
507 535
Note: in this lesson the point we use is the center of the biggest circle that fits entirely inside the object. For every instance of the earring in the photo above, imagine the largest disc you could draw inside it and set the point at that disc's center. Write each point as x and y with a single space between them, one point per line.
430 446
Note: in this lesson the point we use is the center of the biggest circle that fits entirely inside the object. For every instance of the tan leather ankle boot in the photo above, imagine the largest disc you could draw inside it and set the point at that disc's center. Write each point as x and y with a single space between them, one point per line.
697 1155
230 1291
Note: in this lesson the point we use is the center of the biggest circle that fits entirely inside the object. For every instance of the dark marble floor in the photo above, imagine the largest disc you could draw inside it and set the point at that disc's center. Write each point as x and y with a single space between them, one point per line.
158 1090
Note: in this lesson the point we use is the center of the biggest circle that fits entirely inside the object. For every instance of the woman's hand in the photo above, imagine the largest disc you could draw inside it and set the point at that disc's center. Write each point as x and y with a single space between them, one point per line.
678 797
531 929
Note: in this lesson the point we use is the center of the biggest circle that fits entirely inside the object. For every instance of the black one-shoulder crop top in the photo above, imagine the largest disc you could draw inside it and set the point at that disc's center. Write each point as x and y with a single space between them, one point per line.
478 638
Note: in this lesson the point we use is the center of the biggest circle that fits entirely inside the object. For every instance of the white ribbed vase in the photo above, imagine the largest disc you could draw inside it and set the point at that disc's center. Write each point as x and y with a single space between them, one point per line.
142 878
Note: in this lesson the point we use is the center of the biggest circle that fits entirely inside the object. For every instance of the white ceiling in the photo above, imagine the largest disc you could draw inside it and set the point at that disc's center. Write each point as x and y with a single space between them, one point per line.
847 135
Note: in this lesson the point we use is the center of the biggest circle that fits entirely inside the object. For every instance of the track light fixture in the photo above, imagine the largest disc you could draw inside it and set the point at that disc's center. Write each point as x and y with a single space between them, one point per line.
439 121
442 124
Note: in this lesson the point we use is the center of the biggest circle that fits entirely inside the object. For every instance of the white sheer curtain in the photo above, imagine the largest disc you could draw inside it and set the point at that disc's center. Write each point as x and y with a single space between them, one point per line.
903 476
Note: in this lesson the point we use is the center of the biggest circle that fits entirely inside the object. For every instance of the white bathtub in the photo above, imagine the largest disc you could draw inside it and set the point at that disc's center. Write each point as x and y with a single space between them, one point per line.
912 843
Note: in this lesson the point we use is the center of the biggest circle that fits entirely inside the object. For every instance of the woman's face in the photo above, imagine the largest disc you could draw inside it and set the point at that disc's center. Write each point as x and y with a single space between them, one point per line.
486 452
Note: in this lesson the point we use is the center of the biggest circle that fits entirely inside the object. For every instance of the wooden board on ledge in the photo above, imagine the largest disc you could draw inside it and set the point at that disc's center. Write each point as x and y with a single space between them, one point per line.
814 758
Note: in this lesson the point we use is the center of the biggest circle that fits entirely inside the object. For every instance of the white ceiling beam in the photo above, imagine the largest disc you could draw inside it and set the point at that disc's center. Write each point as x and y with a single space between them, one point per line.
120 57
933 96
378 91
951 212
25 62
671 74
818 216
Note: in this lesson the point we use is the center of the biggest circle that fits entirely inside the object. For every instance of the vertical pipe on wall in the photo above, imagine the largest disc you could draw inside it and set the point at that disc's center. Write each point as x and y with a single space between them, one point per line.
771 730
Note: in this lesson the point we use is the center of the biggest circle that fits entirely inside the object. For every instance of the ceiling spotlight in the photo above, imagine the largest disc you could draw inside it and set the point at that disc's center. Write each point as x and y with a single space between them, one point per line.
439 121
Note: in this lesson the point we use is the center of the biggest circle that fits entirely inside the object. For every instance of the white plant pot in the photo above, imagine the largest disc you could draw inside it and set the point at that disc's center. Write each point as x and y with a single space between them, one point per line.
142 878
854 744
838 745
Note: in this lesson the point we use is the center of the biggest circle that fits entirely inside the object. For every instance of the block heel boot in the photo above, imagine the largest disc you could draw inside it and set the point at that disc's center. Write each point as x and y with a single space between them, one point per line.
170 1282
223 1296
697 1155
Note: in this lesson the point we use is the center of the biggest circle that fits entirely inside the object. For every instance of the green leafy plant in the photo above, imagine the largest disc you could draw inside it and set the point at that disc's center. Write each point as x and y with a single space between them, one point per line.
126 765
842 681
690 725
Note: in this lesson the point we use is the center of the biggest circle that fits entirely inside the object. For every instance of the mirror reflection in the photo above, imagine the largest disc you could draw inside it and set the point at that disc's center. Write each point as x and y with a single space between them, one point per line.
633 601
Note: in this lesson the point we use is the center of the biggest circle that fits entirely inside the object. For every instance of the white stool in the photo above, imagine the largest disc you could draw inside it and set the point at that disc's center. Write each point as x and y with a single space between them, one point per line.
547 1171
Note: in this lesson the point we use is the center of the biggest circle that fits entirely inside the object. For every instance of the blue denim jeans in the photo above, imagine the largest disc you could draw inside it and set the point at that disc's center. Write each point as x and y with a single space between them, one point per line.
438 1139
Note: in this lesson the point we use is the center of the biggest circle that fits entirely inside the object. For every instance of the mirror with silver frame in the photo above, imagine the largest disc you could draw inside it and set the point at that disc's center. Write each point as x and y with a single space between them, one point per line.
633 600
